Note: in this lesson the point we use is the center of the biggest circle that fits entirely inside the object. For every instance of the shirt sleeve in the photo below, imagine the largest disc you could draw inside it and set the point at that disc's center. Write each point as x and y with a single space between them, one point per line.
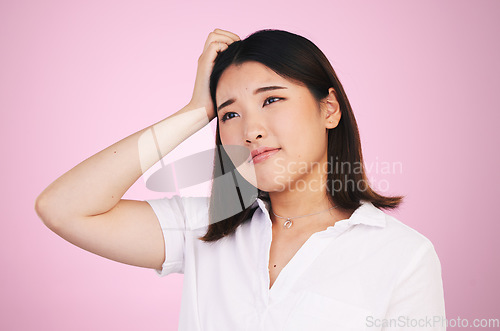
417 302
172 218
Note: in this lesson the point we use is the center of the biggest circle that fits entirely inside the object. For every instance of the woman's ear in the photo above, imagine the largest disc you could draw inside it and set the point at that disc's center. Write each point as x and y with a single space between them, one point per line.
331 109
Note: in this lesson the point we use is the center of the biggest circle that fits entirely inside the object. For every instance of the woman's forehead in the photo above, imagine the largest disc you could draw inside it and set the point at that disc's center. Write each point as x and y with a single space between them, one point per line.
248 77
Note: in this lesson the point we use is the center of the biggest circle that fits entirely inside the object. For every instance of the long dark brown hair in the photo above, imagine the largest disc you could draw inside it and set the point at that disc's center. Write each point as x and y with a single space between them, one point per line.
298 59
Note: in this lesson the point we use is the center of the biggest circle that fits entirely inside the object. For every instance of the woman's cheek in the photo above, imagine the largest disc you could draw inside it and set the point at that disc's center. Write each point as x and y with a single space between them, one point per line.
228 136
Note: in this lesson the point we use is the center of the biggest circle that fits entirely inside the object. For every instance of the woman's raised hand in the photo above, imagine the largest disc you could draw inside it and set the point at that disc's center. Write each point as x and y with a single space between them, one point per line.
85 205
217 41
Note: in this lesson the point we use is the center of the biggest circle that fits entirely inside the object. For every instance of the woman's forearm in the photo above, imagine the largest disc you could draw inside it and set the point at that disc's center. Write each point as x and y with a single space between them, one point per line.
95 185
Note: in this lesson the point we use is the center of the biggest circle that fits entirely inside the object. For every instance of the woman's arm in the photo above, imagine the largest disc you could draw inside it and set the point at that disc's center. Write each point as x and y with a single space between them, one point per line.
85 205
418 298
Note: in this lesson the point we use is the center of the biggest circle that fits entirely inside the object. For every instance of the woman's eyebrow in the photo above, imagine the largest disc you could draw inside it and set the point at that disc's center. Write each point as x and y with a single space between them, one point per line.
257 91
268 88
224 104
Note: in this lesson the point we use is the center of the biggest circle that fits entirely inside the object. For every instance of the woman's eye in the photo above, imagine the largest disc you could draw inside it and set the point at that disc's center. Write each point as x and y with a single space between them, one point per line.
227 116
271 100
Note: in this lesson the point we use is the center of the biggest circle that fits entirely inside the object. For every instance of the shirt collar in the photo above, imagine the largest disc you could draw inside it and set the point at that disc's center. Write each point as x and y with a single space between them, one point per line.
366 214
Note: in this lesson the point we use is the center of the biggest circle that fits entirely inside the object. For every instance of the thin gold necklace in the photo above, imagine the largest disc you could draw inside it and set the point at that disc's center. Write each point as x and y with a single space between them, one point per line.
288 223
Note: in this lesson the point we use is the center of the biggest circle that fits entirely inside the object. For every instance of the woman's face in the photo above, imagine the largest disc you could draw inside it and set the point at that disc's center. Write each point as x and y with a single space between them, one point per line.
258 108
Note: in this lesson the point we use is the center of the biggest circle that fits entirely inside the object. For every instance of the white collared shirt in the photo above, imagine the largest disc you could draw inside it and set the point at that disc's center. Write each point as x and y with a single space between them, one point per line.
368 272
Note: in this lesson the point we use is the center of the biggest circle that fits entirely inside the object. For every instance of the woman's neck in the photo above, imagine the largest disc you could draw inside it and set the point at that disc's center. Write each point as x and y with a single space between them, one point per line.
295 203
290 204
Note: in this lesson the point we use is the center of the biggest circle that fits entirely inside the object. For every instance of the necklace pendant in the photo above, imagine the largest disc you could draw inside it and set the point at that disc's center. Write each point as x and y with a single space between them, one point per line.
288 222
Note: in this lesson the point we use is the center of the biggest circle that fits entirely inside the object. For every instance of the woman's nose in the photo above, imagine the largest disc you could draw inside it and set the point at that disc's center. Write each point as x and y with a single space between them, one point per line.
250 140
254 129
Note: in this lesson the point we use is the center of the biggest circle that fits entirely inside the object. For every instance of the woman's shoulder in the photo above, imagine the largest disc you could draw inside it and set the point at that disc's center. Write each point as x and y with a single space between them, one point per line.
405 233
390 242
393 232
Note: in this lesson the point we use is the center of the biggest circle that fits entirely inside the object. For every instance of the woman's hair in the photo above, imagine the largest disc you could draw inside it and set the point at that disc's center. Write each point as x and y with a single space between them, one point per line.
299 60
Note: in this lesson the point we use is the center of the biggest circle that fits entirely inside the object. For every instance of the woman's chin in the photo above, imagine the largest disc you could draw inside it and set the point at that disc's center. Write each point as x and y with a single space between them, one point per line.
266 179
264 183
270 185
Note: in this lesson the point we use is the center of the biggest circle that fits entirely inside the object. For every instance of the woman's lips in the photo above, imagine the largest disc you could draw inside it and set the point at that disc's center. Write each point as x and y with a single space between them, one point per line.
264 156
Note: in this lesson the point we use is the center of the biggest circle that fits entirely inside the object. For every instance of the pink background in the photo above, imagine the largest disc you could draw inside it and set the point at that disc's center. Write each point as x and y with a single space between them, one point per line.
77 76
